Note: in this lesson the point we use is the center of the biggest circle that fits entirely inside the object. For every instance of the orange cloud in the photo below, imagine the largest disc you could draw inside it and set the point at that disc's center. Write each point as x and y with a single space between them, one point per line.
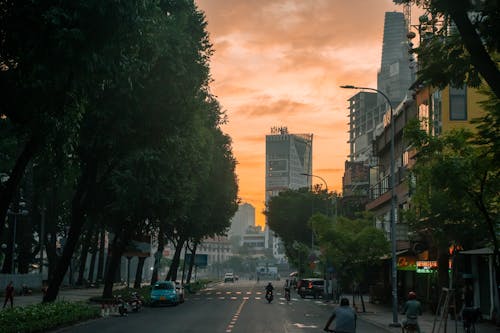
279 107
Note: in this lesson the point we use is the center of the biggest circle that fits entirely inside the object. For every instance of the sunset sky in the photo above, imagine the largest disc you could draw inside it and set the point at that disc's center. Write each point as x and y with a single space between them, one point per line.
280 63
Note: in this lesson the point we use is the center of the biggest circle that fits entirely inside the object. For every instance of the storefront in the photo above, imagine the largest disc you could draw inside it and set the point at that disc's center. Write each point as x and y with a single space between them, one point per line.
479 270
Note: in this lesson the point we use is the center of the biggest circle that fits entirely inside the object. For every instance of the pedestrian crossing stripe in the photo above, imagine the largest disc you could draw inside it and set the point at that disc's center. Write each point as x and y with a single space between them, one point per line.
235 292
234 298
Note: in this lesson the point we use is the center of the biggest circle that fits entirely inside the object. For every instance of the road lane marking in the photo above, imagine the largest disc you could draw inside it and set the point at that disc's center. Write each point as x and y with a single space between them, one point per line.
299 325
235 317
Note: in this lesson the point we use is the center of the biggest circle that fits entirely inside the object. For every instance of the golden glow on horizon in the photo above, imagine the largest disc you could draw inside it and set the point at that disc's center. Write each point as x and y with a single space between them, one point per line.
280 63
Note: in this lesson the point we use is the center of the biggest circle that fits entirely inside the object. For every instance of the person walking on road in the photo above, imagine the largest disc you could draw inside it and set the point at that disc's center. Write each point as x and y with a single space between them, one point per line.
9 294
345 318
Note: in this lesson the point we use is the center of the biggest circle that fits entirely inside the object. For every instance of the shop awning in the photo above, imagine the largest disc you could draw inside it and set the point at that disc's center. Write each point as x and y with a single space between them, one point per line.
398 253
478 252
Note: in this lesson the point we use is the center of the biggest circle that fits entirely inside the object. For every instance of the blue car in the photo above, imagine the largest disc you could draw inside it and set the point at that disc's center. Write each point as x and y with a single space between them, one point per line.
165 292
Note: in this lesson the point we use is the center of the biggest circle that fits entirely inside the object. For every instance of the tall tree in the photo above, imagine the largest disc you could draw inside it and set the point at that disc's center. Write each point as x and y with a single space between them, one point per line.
45 58
460 43
289 212
107 130
456 191
351 246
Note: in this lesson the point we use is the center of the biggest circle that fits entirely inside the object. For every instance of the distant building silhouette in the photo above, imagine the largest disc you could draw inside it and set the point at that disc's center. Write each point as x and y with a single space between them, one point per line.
394 77
244 218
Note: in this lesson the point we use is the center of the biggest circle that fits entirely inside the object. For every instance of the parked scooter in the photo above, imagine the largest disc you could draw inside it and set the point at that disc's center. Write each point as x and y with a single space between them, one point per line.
122 305
135 302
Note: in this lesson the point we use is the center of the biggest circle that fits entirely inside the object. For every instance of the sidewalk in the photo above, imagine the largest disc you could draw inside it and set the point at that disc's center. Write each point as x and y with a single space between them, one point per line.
70 294
382 316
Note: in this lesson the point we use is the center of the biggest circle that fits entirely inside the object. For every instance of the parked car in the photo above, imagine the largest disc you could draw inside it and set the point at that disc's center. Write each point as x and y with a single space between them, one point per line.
229 277
311 287
165 292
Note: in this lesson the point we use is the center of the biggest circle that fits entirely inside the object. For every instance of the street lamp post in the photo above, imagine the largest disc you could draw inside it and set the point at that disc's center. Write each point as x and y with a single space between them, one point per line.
311 175
326 186
393 207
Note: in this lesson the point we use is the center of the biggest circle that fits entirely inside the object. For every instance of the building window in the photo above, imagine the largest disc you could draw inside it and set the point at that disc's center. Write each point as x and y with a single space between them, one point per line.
437 113
458 104
423 116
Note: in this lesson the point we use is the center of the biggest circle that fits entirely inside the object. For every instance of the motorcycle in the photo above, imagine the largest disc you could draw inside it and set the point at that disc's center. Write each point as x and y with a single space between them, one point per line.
122 305
269 296
410 328
287 294
135 302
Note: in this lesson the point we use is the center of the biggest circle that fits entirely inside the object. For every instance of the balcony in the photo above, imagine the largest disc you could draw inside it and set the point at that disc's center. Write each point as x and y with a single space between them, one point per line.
380 192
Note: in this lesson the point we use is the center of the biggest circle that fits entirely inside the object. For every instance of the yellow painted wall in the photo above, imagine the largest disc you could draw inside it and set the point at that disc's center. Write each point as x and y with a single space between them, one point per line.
474 110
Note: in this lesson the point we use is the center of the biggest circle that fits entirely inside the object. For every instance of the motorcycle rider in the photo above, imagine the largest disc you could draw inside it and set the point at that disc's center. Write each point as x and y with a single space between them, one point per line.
269 288
287 289
412 309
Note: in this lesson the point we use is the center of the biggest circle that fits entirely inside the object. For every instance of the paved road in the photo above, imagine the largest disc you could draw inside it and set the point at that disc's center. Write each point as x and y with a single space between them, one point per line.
230 308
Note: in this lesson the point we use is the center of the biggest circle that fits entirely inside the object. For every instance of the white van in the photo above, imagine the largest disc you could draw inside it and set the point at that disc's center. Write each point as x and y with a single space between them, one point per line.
229 277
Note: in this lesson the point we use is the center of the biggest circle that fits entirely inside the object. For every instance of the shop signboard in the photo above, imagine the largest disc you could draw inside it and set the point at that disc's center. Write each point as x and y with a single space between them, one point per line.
406 263
426 266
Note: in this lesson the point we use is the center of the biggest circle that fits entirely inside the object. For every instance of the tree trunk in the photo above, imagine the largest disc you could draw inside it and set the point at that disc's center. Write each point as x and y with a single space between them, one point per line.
191 263
95 237
50 248
109 277
443 267
172 272
7 263
79 202
120 242
8 191
51 232
472 41
158 255
25 231
100 265
138 273
184 262
83 258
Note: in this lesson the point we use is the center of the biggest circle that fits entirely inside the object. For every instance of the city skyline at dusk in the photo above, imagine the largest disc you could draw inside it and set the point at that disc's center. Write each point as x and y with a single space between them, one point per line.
280 63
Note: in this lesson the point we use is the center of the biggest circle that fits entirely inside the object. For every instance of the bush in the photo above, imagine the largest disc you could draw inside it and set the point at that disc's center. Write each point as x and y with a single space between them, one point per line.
193 287
42 317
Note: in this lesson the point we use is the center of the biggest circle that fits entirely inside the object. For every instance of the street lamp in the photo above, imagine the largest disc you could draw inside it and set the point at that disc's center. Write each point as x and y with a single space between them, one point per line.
326 186
393 207
311 175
